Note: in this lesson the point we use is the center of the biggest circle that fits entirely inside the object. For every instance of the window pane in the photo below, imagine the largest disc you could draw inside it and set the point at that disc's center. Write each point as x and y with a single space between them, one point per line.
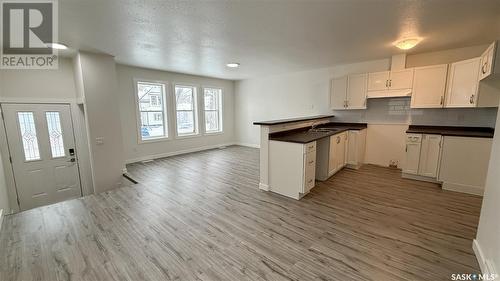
184 98
212 120
211 99
55 134
151 98
28 135
152 125
185 122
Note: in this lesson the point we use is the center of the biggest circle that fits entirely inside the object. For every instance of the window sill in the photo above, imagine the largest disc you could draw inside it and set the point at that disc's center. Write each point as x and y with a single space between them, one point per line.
154 140
197 135
214 133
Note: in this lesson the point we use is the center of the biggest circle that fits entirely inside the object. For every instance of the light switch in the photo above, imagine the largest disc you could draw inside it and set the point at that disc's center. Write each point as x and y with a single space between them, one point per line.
99 140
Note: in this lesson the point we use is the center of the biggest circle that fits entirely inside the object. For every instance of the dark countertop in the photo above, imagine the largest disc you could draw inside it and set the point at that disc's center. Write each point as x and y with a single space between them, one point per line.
478 132
304 135
291 120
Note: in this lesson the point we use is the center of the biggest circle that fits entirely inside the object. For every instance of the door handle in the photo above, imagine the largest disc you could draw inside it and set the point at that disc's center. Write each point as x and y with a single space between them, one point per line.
72 160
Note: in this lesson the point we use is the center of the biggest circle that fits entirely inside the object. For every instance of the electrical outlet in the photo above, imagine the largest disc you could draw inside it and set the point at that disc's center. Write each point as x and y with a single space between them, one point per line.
393 163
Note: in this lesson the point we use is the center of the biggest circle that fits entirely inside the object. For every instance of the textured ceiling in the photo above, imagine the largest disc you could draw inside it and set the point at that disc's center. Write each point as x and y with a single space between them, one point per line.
268 37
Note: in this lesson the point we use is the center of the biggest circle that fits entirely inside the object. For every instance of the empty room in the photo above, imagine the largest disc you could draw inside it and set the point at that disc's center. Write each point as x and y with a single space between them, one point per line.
249 140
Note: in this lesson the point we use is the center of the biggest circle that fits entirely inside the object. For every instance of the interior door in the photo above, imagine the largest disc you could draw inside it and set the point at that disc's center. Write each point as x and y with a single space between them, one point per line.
356 91
463 83
42 147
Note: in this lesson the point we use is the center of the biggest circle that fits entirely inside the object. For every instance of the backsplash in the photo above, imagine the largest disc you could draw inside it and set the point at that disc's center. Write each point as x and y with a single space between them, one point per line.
397 111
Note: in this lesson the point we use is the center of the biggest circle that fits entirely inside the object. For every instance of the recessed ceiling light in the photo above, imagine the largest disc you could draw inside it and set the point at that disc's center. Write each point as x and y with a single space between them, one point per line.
57 46
407 43
233 64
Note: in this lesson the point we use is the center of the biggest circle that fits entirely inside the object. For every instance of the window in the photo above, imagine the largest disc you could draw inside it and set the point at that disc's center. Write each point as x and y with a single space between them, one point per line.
213 110
28 136
185 106
55 134
151 103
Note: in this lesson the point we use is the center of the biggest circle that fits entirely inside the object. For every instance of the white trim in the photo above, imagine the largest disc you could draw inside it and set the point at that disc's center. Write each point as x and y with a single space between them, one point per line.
166 122
221 110
487 267
196 109
264 187
38 100
247 144
173 153
1 218
474 190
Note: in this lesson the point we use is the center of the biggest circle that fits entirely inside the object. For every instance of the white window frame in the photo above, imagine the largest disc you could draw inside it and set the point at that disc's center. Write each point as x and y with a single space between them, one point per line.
196 96
221 111
166 100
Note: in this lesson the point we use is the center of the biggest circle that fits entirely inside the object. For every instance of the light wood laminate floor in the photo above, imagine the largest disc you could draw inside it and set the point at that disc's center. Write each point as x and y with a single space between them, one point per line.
201 216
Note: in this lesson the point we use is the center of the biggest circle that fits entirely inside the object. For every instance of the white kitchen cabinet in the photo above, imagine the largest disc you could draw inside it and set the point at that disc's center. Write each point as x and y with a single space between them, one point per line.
338 93
463 83
292 168
356 145
413 147
356 91
430 153
338 147
487 61
395 83
349 92
464 164
429 86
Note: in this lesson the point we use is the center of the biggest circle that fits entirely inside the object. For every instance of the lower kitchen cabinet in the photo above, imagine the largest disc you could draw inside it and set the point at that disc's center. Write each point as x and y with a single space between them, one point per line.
292 168
464 164
423 152
338 148
356 144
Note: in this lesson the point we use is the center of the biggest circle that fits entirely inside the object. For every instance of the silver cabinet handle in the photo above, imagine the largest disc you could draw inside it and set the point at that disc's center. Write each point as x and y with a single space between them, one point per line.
311 162
442 100
471 100
483 69
310 181
390 83
387 83
338 139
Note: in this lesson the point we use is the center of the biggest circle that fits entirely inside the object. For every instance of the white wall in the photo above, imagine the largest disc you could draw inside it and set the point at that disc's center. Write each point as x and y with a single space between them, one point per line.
4 202
97 79
134 151
488 234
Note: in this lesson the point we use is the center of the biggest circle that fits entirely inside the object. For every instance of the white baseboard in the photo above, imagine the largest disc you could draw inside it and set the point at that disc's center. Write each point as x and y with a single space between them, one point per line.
463 188
173 153
264 187
1 218
247 144
419 178
486 265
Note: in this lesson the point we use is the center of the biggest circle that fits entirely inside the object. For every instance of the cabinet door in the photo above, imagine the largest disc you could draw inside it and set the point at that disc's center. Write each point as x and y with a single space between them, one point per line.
463 83
429 85
338 93
356 91
412 158
341 141
352 148
332 160
487 61
378 81
401 79
430 153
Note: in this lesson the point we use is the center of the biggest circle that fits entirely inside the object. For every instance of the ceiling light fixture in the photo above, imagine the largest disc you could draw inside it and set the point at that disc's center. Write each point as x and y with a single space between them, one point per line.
233 64
407 43
57 46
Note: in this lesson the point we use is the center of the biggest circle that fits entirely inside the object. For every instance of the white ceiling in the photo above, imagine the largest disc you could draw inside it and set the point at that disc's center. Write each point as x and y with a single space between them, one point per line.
268 37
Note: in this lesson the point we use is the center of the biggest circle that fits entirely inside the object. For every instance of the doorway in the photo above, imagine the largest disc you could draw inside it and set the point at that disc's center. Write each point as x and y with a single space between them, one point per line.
42 149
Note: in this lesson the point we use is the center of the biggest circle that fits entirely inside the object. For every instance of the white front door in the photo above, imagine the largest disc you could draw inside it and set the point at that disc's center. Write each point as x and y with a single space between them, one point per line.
42 148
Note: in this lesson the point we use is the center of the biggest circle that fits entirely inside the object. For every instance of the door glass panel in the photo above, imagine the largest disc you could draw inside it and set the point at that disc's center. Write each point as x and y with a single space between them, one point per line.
55 134
28 136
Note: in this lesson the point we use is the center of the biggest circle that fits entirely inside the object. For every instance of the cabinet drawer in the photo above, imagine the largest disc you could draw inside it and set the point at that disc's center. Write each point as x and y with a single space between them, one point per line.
413 138
309 171
310 147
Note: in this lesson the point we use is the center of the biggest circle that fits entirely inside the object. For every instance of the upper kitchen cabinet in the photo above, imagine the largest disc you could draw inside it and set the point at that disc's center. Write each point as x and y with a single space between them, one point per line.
464 89
349 92
429 86
488 61
396 83
338 93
